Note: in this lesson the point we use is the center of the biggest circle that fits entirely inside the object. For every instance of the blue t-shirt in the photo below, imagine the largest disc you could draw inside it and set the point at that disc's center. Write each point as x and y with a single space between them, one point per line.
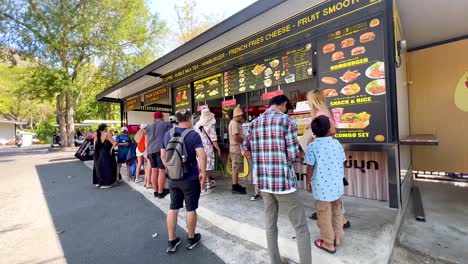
192 141
122 138
327 156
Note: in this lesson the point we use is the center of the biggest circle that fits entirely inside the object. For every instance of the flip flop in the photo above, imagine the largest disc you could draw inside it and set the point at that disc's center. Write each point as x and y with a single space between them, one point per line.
313 216
319 243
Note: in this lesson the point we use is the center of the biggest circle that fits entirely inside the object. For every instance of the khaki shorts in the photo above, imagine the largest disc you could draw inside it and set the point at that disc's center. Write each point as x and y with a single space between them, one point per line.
237 161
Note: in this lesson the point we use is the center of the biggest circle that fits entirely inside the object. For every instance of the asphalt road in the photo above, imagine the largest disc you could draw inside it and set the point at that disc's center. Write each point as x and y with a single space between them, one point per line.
51 213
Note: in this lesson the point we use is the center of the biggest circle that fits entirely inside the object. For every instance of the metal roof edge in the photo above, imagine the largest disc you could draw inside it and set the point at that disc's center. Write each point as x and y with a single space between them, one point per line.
438 43
257 8
12 122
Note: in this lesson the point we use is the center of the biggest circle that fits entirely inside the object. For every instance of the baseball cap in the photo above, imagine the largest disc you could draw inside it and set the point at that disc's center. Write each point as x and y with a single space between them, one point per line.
143 126
158 115
122 129
172 119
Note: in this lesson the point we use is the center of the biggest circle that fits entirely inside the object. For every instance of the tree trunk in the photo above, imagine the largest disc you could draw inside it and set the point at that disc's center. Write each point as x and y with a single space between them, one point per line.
61 118
69 118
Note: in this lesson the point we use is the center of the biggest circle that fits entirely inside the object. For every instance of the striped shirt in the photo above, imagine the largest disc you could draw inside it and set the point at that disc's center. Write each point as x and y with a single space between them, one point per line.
272 140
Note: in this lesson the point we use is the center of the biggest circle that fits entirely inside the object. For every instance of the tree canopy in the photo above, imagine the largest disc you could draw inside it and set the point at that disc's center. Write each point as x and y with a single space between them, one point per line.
82 47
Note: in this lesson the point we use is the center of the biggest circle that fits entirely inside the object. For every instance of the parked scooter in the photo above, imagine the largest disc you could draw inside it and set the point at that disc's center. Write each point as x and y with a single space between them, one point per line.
19 141
56 140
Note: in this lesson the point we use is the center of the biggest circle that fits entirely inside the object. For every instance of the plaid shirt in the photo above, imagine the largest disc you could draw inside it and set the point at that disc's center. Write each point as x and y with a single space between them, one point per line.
272 140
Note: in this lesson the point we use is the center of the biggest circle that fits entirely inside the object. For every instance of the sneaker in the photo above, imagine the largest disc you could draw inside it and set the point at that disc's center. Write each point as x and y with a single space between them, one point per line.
212 184
156 194
105 186
193 242
138 180
172 246
255 197
205 191
97 185
163 194
347 225
238 189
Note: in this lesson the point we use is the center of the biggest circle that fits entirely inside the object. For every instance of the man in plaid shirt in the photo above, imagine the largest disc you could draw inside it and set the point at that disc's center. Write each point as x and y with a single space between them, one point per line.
271 144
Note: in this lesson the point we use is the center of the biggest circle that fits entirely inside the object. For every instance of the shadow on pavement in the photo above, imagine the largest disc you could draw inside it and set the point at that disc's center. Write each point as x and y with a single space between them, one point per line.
108 226
23 151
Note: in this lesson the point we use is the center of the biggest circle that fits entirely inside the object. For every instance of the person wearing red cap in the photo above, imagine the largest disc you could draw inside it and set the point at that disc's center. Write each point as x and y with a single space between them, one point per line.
155 134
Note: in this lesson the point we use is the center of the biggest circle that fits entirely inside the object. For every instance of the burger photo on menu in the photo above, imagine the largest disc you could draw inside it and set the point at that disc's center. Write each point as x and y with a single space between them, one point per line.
339 55
374 22
346 43
274 63
376 70
350 120
350 76
358 51
328 48
367 37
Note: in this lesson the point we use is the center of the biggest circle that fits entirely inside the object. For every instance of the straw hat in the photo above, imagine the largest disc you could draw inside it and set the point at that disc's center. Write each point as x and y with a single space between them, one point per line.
237 112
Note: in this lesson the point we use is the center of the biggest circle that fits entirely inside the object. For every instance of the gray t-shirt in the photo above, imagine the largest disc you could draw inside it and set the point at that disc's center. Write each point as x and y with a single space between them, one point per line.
155 134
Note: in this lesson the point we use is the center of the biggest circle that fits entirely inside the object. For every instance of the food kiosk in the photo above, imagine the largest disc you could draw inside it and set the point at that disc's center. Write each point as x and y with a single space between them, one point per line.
346 48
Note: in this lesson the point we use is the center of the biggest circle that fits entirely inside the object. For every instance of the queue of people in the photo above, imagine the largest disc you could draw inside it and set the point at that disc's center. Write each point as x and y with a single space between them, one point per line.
185 154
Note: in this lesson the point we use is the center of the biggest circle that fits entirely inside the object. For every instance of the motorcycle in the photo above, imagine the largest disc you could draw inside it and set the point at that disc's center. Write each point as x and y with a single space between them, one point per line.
18 142
79 140
56 140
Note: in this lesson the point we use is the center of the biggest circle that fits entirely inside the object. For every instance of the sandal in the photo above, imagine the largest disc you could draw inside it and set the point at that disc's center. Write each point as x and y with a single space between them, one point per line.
313 216
319 243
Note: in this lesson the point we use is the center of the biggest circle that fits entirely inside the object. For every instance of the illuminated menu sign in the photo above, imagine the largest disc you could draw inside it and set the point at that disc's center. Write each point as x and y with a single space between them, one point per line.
285 67
352 76
156 96
307 22
208 88
182 97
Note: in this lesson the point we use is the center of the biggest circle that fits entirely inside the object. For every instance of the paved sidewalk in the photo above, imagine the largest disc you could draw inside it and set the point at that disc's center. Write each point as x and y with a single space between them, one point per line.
444 235
50 212
370 239
230 248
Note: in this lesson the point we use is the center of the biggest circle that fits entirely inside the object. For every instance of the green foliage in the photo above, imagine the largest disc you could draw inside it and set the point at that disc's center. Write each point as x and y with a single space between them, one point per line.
83 46
190 23
15 104
45 130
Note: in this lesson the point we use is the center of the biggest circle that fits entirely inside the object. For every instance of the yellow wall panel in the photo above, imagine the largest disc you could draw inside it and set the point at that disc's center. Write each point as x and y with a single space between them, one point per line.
435 73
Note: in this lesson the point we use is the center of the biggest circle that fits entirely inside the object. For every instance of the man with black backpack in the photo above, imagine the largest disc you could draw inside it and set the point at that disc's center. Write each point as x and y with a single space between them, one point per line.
179 151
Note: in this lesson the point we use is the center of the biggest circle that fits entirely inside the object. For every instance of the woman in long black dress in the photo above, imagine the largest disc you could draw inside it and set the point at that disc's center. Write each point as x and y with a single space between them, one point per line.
105 165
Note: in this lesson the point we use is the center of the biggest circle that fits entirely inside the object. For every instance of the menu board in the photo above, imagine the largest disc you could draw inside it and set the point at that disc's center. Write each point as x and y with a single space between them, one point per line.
285 67
133 103
352 76
156 96
208 88
182 97
231 82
